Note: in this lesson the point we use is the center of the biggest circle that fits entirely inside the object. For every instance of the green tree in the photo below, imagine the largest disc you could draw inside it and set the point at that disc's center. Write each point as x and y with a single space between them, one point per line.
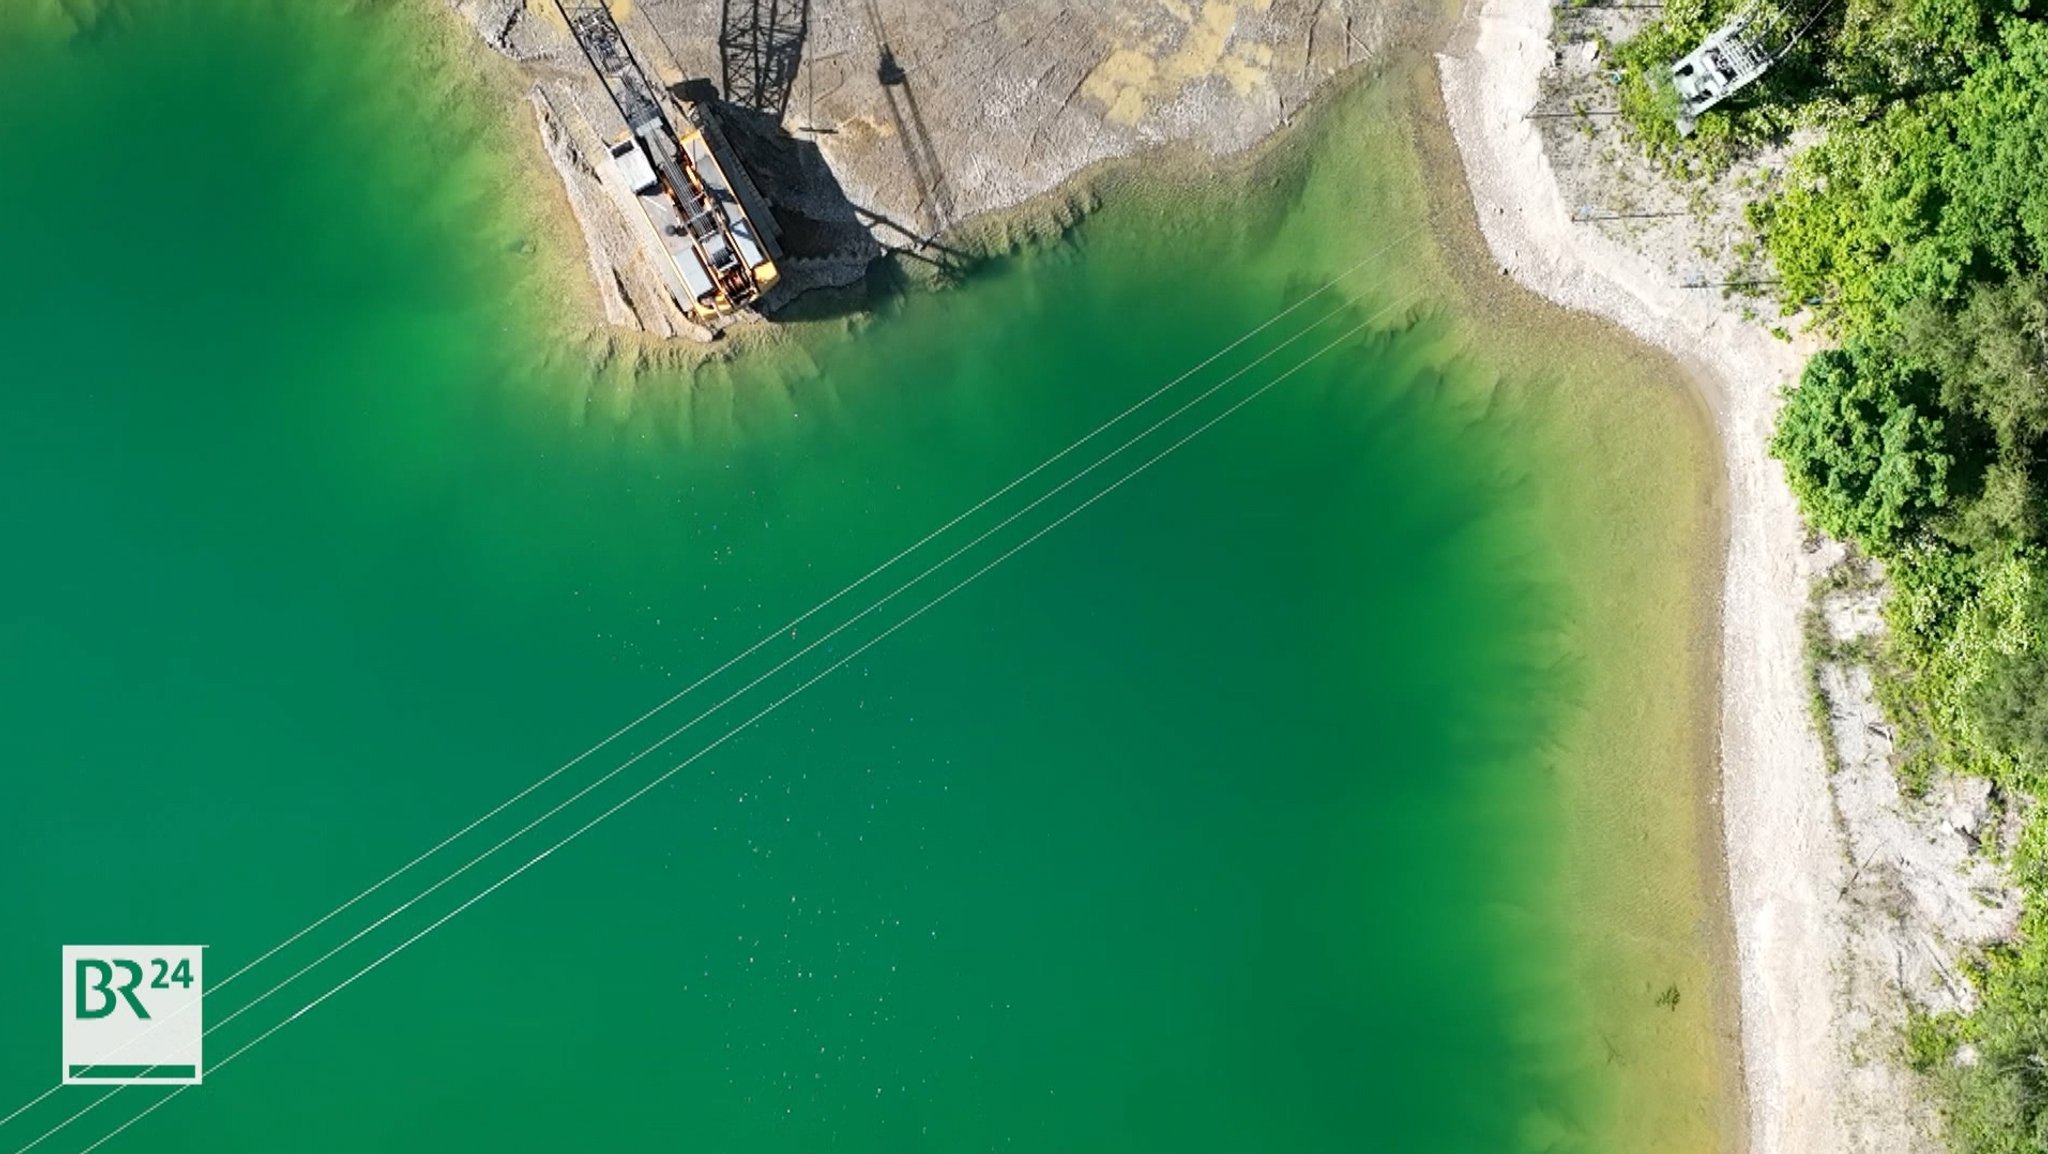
1859 229
1863 449
1917 231
1917 204
2010 706
1992 360
1992 356
1999 1093
1888 49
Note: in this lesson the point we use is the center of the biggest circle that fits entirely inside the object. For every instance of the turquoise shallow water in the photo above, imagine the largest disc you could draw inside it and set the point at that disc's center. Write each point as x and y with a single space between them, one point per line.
1221 818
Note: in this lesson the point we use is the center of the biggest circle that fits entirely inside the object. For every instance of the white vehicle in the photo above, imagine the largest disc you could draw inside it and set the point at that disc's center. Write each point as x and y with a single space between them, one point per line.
1725 63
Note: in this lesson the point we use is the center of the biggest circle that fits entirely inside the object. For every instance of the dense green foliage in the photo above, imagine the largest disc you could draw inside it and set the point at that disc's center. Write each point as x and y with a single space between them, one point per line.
1916 233
1996 1093
1650 105
1840 63
1991 357
1926 199
1887 49
1862 452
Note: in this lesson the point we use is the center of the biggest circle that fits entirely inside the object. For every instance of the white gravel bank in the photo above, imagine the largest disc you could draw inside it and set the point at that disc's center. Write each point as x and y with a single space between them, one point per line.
1785 852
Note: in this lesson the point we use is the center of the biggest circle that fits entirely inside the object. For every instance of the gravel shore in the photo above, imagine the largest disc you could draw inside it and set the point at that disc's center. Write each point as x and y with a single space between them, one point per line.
1785 852
990 106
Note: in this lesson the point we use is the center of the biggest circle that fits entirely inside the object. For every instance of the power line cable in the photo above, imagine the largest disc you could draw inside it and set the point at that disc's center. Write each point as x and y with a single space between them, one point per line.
502 806
586 790
729 734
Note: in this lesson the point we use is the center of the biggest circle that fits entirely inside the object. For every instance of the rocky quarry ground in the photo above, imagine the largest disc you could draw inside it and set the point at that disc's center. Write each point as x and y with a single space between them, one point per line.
877 126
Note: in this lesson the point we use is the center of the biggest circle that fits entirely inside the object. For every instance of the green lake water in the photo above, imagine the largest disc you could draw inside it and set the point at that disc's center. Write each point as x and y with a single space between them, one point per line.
1331 785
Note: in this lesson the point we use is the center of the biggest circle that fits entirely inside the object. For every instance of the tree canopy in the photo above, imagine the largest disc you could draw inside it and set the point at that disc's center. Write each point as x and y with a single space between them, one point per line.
1862 448
1915 204
1916 232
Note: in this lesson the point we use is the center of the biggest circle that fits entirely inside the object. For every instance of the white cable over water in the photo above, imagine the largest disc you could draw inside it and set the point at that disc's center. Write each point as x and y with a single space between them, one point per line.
728 735
31 1104
394 875
784 664
891 596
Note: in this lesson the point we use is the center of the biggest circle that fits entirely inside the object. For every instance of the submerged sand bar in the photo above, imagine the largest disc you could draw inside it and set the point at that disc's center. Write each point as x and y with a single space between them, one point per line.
917 152
1785 853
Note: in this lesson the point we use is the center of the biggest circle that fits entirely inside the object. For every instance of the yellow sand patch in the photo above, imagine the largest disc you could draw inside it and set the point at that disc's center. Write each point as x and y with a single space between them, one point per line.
1134 76
854 131
1247 70
1202 50
669 74
1121 83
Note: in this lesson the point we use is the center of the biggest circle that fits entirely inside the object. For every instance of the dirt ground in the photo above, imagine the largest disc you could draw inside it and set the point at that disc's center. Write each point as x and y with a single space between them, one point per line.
876 126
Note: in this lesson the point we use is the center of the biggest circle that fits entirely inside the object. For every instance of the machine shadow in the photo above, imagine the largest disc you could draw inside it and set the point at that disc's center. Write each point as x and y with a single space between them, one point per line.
837 255
760 48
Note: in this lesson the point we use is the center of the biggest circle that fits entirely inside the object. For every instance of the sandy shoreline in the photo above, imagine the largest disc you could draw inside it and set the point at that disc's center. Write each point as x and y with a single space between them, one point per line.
1784 849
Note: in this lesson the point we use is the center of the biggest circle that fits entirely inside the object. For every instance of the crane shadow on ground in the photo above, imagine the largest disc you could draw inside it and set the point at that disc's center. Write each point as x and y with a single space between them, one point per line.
760 49
935 204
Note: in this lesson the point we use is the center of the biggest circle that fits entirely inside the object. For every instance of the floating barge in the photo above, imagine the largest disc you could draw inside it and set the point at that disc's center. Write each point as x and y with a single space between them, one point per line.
711 249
